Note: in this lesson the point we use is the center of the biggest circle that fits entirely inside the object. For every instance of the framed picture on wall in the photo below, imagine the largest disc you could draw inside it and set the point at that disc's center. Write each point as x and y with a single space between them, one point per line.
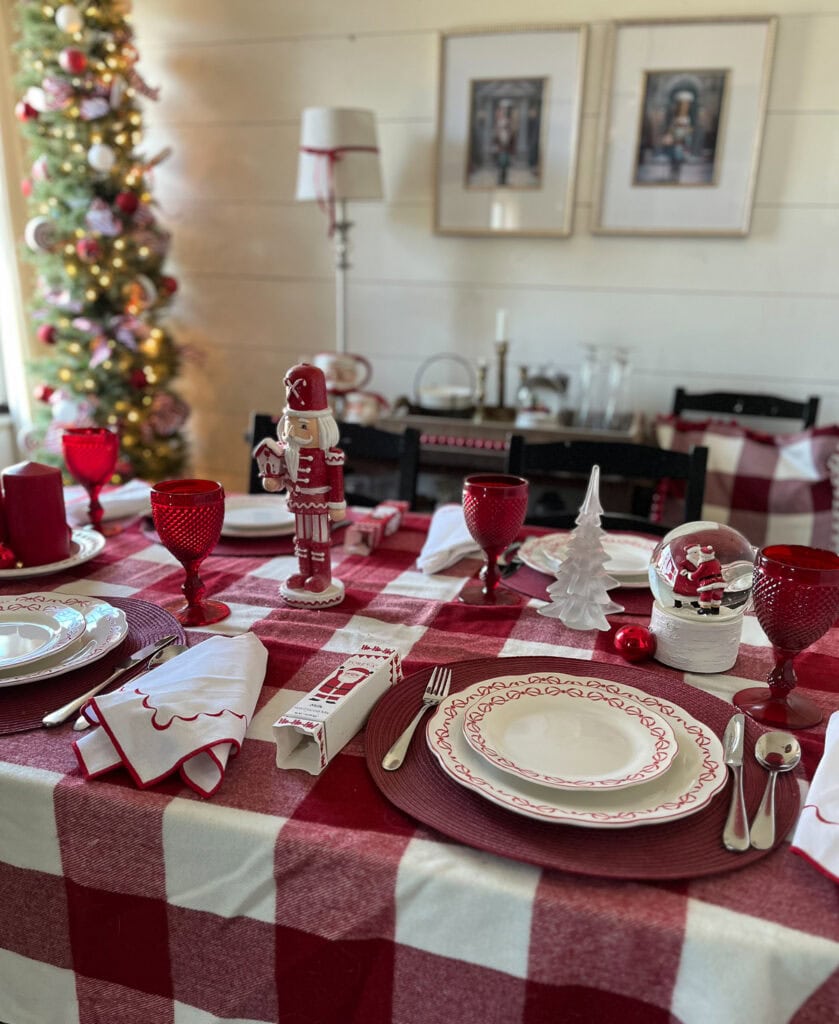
681 125
507 130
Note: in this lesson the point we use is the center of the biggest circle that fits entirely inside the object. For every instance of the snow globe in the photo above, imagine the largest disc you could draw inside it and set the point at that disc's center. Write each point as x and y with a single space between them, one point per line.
701 578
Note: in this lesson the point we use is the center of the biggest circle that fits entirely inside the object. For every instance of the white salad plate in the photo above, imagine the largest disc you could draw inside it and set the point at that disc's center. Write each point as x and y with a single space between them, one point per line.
84 545
559 734
696 774
256 515
105 628
629 557
34 627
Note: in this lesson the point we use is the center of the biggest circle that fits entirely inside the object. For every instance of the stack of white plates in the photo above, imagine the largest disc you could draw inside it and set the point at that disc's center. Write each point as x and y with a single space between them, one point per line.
577 750
85 543
629 556
44 635
257 515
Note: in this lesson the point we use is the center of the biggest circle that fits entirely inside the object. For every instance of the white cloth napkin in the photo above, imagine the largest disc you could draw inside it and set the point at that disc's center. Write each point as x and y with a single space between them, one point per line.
188 714
448 540
131 499
816 837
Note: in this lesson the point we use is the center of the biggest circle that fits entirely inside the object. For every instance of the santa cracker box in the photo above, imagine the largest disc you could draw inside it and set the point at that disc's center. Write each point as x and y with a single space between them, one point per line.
364 535
311 733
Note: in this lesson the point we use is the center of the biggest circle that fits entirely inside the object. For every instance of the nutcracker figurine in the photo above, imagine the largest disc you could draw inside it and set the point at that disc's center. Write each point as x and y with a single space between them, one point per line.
305 461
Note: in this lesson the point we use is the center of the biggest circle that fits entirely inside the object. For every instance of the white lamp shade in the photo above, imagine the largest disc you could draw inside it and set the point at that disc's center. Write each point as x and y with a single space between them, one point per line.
351 136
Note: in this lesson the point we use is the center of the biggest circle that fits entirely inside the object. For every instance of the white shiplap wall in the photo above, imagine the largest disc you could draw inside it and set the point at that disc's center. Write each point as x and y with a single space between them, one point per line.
257 285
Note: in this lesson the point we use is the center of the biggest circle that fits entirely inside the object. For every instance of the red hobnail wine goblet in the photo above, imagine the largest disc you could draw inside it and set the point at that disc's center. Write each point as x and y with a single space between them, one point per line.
796 599
188 515
494 505
90 454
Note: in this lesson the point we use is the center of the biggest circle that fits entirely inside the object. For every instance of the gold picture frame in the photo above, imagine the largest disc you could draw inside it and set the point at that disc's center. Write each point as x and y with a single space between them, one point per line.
508 129
681 127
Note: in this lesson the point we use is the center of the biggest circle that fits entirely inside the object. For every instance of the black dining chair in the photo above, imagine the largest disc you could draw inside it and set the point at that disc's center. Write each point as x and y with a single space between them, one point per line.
638 468
380 464
740 403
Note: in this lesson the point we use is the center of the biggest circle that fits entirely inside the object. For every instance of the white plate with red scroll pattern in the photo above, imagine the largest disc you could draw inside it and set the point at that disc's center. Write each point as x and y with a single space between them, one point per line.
560 734
696 774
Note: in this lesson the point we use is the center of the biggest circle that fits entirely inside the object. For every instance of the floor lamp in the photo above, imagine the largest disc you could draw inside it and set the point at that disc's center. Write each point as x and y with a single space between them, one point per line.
338 162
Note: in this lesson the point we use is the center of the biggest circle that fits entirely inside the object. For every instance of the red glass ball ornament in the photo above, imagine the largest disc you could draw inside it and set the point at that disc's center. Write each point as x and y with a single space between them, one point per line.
137 379
26 187
42 392
25 112
127 202
72 61
47 334
89 250
168 284
635 643
7 557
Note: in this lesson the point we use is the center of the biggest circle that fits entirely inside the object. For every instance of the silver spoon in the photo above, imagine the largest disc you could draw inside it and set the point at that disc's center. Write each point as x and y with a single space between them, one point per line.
172 651
777 752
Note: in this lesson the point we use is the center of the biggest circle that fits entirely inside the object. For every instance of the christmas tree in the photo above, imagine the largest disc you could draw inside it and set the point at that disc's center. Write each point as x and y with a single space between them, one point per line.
95 241
580 596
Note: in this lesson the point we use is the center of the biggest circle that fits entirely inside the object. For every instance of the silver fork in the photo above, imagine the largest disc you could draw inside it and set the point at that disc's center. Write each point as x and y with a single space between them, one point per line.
436 689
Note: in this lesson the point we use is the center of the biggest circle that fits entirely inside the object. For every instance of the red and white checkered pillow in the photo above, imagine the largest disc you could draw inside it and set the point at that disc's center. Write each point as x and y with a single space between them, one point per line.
773 488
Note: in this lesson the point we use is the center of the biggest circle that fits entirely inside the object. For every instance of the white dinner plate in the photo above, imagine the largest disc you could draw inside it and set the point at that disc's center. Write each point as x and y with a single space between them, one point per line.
629 557
35 626
256 515
84 545
560 734
105 627
695 776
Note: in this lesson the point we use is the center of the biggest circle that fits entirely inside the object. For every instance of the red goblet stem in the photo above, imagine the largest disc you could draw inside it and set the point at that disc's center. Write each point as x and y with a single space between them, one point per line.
95 510
193 586
782 678
492 576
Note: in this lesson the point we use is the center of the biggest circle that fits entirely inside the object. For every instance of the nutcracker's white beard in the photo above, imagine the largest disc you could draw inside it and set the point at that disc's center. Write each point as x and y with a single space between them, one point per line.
292 456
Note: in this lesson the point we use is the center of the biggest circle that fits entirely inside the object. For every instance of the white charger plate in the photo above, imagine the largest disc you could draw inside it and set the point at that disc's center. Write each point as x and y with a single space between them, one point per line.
85 544
34 627
559 734
105 627
696 775
256 515
629 556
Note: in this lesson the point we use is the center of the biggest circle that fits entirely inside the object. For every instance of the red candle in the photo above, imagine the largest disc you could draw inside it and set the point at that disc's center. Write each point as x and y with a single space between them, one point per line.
36 523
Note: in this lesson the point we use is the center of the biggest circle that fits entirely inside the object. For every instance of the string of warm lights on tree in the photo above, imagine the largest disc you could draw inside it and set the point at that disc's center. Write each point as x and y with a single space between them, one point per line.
93 236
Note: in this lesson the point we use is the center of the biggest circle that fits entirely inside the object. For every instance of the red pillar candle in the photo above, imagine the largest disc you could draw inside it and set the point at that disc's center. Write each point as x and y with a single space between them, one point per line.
36 523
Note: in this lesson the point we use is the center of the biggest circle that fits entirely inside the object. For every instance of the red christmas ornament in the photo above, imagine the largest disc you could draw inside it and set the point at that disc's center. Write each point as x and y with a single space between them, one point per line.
46 334
25 111
89 250
72 61
137 379
127 202
168 285
26 187
43 392
635 643
7 557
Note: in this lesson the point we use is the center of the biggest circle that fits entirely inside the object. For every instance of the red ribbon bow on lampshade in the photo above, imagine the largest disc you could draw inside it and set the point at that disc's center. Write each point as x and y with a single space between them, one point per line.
330 157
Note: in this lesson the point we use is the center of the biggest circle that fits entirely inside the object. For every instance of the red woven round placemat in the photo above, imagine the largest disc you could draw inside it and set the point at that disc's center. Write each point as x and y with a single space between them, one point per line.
22 707
687 848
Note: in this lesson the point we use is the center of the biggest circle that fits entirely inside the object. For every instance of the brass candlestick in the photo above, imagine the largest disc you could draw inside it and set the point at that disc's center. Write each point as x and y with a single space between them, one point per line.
480 392
501 348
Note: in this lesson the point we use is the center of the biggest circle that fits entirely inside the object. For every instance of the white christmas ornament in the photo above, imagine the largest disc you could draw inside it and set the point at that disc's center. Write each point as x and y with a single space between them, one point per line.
101 157
37 98
39 234
580 598
69 18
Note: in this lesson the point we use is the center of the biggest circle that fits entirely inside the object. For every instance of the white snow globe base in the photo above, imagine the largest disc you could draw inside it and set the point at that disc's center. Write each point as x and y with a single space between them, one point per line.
696 644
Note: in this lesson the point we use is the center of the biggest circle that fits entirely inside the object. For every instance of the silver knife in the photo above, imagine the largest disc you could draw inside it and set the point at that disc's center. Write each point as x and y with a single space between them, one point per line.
735 835
132 661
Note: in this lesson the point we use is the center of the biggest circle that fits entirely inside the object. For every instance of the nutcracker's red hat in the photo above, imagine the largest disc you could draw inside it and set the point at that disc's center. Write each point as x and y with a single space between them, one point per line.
306 391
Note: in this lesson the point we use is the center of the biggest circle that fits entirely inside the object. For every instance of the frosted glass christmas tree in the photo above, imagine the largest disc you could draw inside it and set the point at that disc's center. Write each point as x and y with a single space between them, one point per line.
580 597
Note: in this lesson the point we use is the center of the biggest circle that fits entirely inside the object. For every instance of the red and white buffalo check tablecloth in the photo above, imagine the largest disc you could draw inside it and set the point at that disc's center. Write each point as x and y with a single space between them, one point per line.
293 899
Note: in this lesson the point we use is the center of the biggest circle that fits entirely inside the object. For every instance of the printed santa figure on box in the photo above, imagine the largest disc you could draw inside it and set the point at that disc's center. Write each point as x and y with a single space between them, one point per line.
306 462
700 579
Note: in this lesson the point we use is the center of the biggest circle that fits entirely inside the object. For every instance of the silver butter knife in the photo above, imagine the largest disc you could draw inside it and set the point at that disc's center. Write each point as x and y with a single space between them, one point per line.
132 661
735 835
